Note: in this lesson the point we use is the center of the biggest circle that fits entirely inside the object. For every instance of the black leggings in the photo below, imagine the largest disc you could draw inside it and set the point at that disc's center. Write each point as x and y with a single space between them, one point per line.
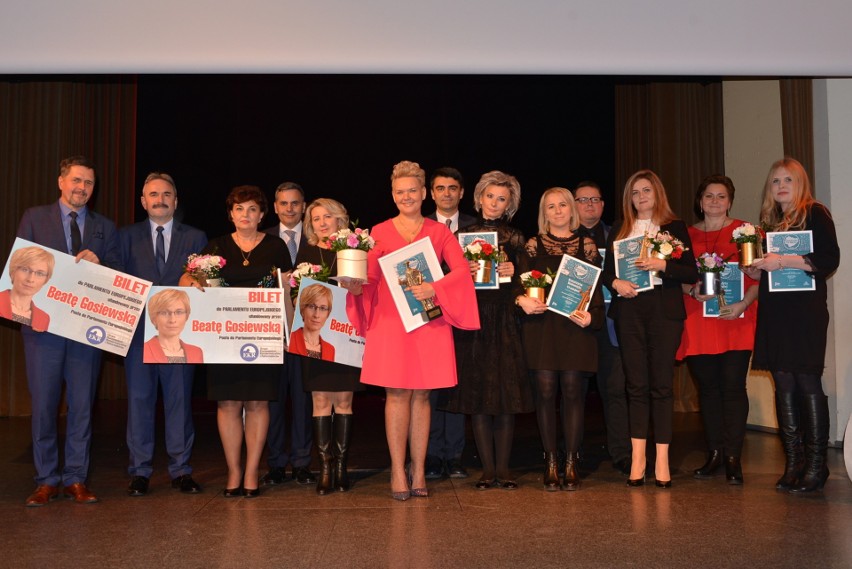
573 384
494 432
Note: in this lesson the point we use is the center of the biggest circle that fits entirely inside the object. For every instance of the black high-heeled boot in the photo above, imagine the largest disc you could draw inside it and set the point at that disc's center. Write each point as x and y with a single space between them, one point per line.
733 470
787 412
322 438
814 413
342 434
714 461
572 476
551 472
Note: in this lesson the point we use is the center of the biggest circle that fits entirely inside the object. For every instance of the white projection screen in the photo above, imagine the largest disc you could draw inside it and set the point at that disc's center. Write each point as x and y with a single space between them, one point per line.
604 37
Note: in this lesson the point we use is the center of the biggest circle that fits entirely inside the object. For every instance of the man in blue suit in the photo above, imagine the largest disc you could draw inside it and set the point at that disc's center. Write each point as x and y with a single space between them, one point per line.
67 226
156 250
290 207
446 430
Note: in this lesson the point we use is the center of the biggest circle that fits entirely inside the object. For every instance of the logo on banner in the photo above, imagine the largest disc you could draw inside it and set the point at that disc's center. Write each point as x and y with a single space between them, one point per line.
95 335
249 352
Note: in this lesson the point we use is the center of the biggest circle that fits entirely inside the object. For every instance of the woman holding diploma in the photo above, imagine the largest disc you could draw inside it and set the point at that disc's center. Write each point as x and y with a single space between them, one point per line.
792 325
251 257
718 349
560 350
409 364
650 323
494 385
331 384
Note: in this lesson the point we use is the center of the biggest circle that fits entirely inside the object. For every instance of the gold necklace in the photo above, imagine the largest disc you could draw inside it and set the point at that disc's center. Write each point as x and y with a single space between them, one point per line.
251 250
409 234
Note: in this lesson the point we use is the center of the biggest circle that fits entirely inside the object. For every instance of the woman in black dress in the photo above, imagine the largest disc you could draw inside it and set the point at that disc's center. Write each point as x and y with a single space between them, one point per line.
493 384
331 384
792 326
561 351
251 256
649 323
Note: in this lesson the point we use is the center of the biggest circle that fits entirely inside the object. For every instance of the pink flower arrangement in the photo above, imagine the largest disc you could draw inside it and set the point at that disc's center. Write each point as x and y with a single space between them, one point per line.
355 238
710 263
204 266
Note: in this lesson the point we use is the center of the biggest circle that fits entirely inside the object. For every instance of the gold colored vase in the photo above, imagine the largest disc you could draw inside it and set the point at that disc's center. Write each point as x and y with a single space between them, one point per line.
536 292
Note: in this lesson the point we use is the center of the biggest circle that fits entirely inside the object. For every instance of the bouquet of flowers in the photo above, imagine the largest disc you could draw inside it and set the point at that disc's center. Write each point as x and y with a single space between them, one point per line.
665 246
710 263
204 267
537 279
355 238
302 270
747 233
481 250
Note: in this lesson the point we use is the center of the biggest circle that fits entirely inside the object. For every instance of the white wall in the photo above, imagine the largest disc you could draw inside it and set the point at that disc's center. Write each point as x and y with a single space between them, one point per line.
753 141
832 181
615 37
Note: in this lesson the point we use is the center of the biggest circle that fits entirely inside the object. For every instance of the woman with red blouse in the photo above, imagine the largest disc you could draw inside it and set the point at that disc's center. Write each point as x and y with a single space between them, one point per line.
718 349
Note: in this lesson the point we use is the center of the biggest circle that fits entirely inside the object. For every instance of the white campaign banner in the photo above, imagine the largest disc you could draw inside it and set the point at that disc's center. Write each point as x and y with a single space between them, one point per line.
215 326
84 302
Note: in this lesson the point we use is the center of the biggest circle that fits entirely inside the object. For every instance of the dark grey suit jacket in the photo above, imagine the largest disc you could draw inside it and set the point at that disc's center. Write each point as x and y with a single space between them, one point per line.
43 225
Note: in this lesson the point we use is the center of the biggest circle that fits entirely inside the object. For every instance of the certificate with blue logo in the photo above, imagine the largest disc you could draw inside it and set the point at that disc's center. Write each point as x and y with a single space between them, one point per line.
627 252
489 279
790 243
573 286
733 285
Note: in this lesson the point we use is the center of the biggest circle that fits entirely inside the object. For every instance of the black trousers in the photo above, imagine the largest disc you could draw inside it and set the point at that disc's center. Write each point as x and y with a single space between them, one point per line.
648 342
724 402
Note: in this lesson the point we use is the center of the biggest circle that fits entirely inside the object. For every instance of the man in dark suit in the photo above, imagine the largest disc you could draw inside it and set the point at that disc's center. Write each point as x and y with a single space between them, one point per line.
446 430
290 207
67 226
156 250
610 376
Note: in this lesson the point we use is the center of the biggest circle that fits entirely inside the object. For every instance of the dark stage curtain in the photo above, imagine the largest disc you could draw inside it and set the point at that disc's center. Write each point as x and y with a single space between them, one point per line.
797 121
42 121
673 128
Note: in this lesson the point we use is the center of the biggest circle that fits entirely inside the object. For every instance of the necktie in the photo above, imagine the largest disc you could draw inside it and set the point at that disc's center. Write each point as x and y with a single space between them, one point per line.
161 251
450 224
76 240
291 244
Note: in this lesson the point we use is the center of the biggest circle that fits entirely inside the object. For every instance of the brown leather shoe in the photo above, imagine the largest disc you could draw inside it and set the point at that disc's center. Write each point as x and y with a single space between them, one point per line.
80 494
42 495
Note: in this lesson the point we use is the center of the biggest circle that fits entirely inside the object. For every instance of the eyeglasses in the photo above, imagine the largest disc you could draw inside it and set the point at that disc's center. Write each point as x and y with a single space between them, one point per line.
317 307
169 313
28 271
588 200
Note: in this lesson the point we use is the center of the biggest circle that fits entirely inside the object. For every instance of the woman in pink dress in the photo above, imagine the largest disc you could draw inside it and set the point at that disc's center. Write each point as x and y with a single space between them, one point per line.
409 364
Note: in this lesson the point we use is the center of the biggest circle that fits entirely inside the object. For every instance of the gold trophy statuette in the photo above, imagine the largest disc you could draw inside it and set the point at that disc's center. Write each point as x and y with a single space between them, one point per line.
414 277
724 309
583 305
503 258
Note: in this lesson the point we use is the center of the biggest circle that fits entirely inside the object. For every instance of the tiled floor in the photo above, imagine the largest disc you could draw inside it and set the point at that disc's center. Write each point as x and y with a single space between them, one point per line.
605 524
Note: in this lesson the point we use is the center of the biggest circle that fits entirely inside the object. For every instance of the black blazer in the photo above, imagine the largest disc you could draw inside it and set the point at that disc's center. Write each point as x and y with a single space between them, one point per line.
678 272
464 220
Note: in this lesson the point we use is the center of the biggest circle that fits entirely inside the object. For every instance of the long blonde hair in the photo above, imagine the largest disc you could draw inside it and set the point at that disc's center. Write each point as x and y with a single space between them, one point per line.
662 213
771 214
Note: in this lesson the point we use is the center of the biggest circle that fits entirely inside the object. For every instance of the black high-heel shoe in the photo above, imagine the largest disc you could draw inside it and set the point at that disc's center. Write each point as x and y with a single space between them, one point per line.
636 482
232 492
663 483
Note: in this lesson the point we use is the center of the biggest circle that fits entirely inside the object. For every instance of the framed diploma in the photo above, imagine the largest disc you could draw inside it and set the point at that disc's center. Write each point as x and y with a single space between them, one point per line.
412 265
626 252
733 285
573 286
607 295
489 280
790 243
84 302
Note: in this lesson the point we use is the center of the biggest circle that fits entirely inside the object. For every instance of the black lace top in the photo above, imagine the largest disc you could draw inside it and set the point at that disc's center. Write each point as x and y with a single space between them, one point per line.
548 244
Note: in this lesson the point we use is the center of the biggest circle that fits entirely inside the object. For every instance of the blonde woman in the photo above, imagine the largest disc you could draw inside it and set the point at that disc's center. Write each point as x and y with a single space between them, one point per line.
792 326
